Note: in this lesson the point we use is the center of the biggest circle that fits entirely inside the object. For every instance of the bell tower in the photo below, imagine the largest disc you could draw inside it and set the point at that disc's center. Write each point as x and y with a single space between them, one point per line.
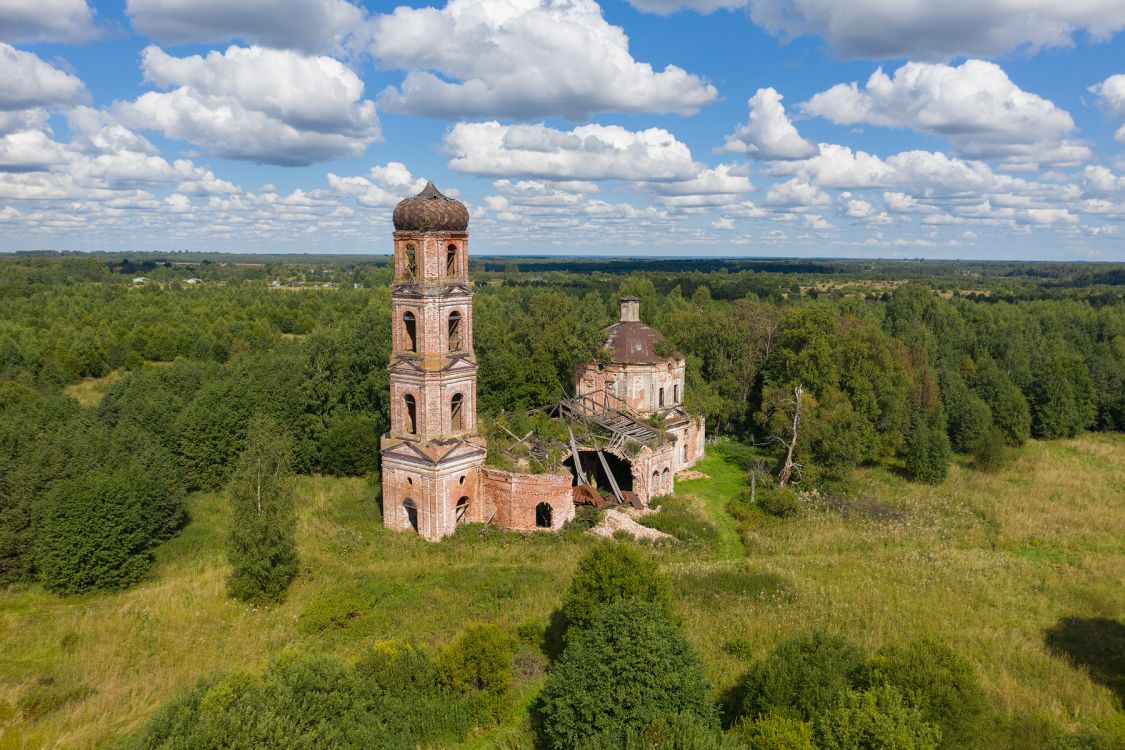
431 456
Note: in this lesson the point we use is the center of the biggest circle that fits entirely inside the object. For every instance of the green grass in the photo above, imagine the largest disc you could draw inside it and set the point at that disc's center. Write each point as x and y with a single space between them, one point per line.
726 477
989 563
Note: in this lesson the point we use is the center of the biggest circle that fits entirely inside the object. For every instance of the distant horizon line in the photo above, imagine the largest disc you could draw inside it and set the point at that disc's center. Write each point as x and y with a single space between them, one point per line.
489 256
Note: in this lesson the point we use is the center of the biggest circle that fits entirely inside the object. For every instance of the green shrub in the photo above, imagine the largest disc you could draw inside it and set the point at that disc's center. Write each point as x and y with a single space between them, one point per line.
939 682
613 572
774 732
97 531
629 668
676 732
390 700
802 677
927 450
350 445
741 647
394 666
585 517
479 661
878 719
779 502
1111 737
987 448
676 517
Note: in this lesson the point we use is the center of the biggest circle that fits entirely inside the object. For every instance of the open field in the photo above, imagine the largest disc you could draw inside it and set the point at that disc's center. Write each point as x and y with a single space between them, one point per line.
985 562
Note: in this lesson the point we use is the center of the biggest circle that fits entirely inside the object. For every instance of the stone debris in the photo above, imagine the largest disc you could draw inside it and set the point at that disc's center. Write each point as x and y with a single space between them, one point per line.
625 519
689 474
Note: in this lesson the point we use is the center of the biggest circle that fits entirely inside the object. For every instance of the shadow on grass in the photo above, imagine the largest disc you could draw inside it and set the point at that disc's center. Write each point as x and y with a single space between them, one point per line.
1096 643
742 455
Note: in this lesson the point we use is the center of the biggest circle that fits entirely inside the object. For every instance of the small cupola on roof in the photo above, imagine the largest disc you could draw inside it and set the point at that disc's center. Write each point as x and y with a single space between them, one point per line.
630 309
631 340
430 211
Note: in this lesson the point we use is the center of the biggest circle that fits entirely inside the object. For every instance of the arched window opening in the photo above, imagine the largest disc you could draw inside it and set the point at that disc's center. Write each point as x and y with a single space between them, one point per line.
411 265
685 450
462 510
411 414
543 515
410 331
654 485
676 394
665 477
411 512
454 330
451 260
457 412
662 397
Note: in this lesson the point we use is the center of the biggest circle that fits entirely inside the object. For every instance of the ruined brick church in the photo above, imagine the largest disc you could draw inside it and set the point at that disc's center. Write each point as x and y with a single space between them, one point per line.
434 468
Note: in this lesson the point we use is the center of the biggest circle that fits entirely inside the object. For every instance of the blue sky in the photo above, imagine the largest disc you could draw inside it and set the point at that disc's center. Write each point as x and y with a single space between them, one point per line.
872 128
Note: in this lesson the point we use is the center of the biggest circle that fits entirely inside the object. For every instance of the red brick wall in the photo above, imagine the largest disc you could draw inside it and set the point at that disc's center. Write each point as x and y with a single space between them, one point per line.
515 496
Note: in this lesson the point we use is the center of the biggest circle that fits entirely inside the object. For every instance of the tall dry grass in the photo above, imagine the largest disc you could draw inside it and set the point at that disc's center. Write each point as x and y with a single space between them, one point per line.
984 562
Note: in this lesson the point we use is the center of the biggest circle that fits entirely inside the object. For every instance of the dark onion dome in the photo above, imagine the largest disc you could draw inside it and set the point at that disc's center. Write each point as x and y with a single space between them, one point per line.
633 342
430 211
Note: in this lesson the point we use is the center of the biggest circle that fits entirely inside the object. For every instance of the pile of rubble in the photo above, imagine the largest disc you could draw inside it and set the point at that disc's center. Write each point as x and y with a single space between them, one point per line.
625 519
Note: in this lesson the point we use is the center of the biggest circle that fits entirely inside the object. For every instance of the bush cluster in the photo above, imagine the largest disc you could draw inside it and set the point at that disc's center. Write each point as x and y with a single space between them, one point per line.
613 572
821 691
395 697
779 502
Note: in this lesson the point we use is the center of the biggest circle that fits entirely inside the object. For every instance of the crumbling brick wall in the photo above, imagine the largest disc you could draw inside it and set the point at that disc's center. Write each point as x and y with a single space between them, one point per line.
515 497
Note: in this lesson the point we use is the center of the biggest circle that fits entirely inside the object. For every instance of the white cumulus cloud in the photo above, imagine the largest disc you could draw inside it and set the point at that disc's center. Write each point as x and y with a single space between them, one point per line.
309 25
797 193
28 82
257 104
523 59
385 186
769 134
668 7
1111 94
939 30
46 21
588 152
974 105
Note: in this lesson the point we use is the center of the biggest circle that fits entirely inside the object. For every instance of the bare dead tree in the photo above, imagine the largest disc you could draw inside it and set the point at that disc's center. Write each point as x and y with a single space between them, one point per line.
758 468
790 465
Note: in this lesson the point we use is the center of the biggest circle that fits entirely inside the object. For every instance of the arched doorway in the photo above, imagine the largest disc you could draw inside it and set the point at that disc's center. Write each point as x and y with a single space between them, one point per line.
411 510
543 515
654 485
666 481
461 510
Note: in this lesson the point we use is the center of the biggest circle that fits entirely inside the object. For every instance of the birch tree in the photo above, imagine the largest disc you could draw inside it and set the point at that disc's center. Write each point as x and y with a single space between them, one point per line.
262 550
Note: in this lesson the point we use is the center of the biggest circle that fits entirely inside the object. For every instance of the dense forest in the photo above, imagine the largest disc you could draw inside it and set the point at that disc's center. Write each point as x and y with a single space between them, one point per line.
901 364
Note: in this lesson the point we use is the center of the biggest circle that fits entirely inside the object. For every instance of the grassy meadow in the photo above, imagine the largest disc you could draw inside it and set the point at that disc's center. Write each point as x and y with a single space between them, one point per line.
986 562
